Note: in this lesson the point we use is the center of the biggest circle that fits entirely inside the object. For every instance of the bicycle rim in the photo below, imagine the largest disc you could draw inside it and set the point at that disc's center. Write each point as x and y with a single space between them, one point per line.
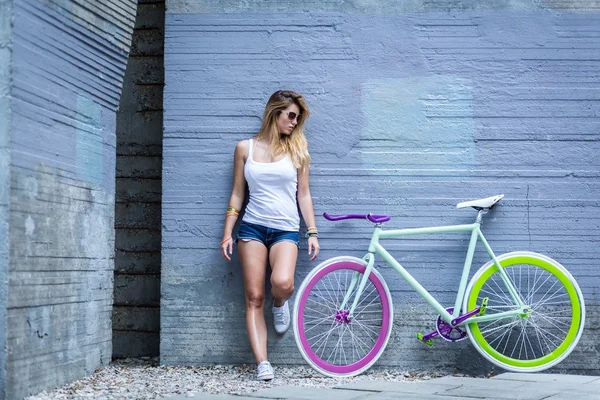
536 340
331 344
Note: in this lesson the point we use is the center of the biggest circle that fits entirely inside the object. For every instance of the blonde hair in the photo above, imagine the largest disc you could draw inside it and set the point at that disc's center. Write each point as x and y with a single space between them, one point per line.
294 144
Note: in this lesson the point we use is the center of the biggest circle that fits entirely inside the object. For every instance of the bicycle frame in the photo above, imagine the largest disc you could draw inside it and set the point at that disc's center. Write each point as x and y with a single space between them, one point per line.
475 228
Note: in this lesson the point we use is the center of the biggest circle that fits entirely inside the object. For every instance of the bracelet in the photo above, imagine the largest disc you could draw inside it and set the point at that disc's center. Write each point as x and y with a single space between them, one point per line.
310 234
226 240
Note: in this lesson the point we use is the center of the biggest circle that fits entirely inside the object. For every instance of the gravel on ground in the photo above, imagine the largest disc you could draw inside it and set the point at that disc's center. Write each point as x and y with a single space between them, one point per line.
144 378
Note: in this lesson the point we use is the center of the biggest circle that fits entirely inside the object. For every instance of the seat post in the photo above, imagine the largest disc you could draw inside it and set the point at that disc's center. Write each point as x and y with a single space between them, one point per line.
480 214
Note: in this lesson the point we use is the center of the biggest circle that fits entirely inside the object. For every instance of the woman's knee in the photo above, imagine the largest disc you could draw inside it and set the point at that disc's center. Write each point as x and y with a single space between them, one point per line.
282 285
255 299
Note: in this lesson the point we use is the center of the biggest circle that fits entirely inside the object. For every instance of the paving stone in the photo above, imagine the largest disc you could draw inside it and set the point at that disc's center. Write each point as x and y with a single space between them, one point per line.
484 383
208 396
402 387
524 392
570 396
508 386
413 396
307 393
530 377
581 391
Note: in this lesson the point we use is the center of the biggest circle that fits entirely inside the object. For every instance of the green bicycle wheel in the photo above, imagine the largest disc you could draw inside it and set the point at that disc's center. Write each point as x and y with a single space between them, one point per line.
540 338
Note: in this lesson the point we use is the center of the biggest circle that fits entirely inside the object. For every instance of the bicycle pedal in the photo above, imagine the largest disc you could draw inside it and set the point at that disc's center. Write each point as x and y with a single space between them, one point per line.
483 306
427 342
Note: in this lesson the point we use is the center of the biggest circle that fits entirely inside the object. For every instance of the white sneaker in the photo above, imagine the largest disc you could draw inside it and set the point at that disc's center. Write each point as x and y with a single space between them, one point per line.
264 371
281 317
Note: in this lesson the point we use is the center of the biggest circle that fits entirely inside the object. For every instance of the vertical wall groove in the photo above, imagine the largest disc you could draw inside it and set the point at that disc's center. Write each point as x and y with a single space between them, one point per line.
136 313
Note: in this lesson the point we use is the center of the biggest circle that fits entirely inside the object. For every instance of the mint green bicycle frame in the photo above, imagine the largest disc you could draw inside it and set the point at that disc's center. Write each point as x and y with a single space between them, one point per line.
475 229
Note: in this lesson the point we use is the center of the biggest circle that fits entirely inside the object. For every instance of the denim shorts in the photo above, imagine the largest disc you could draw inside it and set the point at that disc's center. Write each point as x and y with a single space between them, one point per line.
265 235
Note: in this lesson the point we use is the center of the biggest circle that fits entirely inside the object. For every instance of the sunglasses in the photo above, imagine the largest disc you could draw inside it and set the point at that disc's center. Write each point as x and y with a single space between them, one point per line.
293 116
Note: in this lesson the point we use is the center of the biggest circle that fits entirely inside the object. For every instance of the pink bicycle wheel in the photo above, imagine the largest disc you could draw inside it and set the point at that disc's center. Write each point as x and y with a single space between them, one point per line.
331 342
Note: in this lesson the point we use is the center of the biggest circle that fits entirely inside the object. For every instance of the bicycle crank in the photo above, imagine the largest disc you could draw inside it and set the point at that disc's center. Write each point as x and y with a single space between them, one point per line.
451 331
447 331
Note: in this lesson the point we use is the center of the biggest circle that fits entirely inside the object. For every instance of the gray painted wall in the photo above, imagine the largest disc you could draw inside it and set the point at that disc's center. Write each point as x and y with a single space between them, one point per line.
416 106
5 88
136 313
67 69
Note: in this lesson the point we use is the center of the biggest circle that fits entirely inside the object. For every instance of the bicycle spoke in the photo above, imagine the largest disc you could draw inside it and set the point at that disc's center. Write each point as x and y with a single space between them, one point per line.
518 338
500 327
545 337
542 285
557 312
374 299
314 323
500 338
529 299
365 296
327 300
506 297
364 347
318 311
547 301
367 329
548 320
537 334
336 345
323 335
331 296
543 299
326 339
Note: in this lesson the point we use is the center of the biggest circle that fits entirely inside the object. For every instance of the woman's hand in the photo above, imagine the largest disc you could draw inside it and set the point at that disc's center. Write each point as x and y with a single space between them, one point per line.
313 247
227 248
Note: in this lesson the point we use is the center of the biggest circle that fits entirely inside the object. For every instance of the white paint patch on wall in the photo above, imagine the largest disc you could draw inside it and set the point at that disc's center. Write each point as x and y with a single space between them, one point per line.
420 121
29 226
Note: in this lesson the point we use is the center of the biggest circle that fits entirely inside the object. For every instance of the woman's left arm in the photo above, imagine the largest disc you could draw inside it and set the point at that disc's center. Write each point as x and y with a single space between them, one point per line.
308 212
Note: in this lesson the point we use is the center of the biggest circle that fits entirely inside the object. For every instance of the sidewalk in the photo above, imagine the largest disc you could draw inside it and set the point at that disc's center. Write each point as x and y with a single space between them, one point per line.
511 386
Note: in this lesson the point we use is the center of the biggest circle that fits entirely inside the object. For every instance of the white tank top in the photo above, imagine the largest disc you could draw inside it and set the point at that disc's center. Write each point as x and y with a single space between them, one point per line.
273 187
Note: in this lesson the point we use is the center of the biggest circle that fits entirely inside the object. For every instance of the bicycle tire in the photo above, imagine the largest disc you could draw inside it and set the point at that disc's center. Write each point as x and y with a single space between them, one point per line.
536 340
368 341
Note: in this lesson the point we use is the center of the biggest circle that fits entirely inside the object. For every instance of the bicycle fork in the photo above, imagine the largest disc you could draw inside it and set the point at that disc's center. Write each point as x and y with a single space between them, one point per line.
370 259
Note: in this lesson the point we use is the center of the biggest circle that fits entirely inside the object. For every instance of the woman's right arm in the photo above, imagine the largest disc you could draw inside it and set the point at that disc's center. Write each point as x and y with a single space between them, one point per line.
237 197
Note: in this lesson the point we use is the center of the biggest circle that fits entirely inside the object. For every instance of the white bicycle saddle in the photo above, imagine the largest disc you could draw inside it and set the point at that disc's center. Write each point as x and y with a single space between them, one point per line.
480 204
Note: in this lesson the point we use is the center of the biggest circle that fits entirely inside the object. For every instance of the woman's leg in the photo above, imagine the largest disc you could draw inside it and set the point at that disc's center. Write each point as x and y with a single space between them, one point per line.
282 257
253 258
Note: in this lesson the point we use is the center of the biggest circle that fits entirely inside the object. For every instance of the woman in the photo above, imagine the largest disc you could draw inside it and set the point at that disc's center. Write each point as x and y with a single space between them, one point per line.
275 166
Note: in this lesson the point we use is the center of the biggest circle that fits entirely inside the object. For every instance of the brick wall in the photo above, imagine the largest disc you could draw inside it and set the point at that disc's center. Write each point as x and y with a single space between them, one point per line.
136 312
68 61
415 107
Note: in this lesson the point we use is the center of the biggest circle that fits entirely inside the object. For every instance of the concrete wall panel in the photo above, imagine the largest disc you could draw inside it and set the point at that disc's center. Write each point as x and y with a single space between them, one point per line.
67 71
6 12
416 106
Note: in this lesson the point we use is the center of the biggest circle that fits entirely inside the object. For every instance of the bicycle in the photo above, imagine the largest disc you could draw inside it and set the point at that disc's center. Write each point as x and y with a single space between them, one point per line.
522 311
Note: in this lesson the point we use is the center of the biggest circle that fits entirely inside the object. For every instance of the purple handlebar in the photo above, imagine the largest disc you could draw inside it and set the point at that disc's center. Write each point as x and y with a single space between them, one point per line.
373 218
